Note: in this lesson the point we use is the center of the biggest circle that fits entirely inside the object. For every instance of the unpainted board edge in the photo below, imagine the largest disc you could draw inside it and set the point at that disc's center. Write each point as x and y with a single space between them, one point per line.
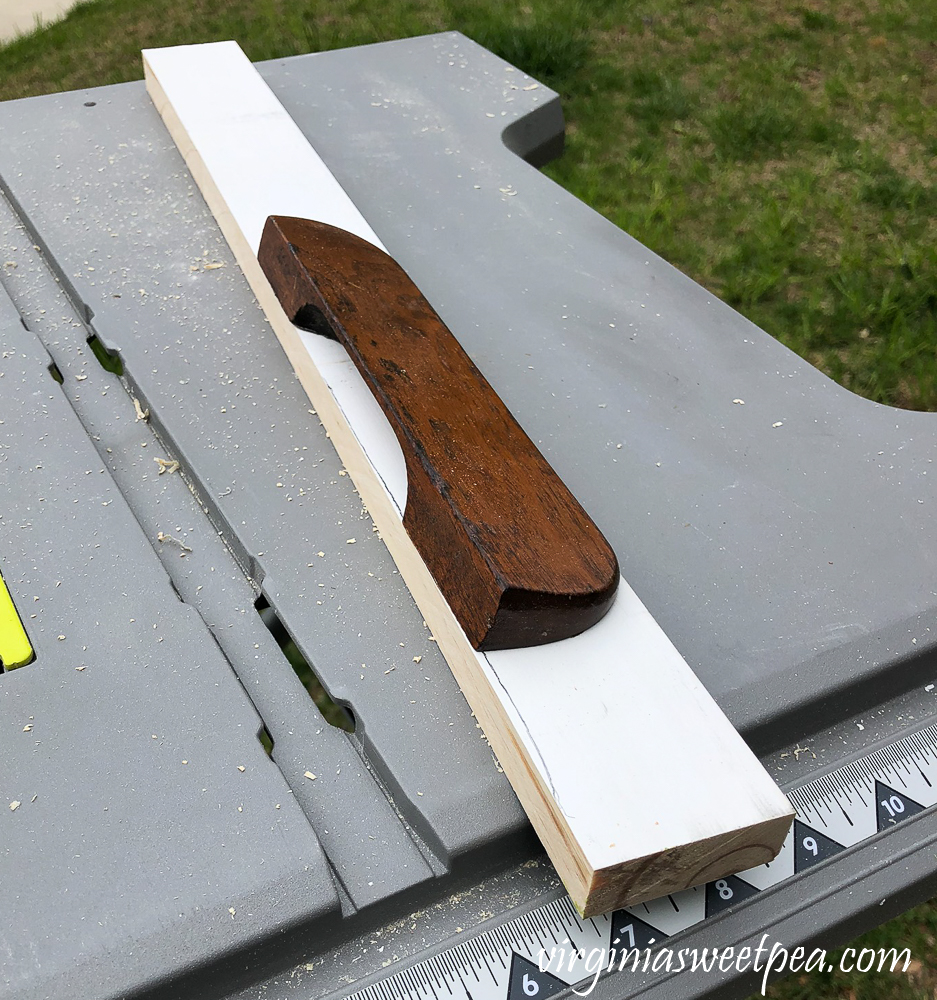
592 891
694 864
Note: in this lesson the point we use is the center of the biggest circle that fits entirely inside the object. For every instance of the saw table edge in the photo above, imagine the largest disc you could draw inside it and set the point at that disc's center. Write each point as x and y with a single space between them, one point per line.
634 779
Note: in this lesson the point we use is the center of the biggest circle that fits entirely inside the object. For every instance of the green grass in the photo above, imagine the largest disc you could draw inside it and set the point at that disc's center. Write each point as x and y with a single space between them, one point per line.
915 930
781 154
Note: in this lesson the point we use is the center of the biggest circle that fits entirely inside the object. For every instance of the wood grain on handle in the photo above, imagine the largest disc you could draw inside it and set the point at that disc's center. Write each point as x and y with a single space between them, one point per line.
515 555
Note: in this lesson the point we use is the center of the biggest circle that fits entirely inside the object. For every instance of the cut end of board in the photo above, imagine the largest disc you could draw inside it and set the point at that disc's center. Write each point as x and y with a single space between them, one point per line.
683 867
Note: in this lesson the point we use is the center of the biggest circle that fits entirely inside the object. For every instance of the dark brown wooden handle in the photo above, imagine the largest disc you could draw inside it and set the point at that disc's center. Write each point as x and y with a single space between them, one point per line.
515 555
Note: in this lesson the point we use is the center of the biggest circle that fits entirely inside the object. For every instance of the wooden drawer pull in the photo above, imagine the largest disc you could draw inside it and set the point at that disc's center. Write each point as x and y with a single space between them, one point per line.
515 555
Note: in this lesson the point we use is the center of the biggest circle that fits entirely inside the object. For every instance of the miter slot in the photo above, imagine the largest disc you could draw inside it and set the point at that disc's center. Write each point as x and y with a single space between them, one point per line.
266 740
340 716
109 360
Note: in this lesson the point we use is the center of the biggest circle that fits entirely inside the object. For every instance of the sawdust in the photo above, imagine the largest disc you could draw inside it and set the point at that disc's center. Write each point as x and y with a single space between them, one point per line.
163 537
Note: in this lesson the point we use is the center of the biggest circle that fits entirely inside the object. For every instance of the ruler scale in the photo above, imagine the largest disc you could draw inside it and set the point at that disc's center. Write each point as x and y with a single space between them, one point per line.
833 813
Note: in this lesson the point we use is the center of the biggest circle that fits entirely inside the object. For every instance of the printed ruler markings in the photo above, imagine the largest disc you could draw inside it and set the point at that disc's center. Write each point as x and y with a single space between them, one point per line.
834 812
892 807
811 846
629 931
775 871
526 980
726 892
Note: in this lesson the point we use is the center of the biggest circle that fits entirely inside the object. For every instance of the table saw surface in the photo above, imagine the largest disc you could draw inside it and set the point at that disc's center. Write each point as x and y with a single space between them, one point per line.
785 543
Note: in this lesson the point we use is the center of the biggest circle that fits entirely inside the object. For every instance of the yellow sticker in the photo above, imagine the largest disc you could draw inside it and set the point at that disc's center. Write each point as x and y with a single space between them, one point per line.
15 650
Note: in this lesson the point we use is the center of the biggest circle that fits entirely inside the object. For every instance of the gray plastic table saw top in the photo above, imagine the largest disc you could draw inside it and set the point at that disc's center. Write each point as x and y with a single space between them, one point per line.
786 544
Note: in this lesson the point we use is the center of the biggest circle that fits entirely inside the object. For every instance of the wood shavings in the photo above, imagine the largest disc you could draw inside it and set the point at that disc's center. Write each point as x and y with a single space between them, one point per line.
166 465
84 666
142 414
309 775
213 267
741 402
349 541
416 659
163 537
14 805
778 423
241 767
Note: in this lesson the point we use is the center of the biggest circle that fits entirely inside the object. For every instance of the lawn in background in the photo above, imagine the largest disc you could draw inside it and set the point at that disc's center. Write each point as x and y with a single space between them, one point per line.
781 154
